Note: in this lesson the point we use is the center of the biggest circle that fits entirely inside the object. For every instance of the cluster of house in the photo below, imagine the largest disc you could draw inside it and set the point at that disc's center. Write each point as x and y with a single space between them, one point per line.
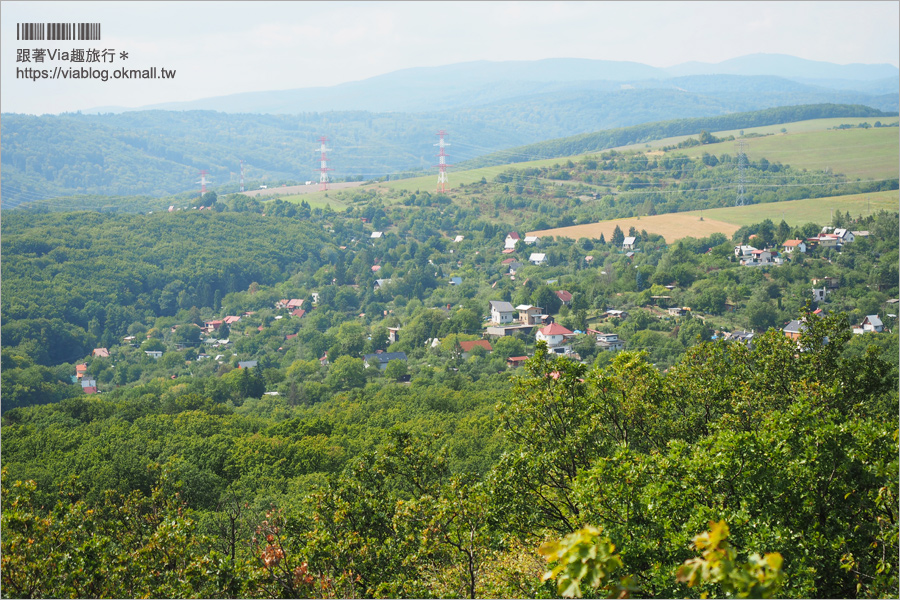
752 257
828 238
509 246
507 319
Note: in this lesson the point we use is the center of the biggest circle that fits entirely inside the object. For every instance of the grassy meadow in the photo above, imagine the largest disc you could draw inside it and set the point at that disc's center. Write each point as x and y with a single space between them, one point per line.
866 154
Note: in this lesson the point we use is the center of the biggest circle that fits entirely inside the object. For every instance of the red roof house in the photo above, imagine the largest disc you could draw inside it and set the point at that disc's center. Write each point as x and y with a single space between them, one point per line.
564 296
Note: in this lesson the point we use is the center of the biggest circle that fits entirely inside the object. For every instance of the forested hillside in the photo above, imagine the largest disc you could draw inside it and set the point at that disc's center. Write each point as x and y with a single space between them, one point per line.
269 399
159 153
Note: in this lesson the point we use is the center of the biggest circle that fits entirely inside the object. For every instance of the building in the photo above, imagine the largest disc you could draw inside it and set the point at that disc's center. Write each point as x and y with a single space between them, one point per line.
501 312
467 347
609 342
455 280
247 364
740 336
564 297
844 235
511 239
872 324
629 243
532 240
794 329
832 283
100 353
530 315
791 245
555 335
381 359
380 283
516 361
537 258
819 294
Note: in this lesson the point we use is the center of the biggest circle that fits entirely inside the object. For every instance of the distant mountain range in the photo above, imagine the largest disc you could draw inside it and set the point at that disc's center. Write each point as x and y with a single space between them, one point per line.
482 82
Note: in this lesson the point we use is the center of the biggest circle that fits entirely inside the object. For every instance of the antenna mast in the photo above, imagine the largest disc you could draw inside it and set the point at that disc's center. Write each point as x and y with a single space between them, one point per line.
242 175
442 166
323 170
202 182
742 164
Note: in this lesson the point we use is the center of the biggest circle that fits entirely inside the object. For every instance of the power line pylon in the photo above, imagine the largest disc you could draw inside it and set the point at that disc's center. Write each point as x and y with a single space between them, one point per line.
742 164
323 169
242 176
442 165
202 182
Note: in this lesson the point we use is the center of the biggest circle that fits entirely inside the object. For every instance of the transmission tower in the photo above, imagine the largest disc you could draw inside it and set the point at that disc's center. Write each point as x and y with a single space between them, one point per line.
242 175
442 165
323 170
742 164
202 182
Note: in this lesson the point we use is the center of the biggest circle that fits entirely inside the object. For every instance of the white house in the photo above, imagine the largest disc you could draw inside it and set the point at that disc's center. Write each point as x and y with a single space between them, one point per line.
376 235
845 235
532 240
555 336
511 240
819 294
610 342
629 242
742 251
537 258
501 312
872 324
791 245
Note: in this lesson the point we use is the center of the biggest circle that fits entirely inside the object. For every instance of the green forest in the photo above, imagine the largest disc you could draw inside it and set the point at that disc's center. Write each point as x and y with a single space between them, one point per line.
173 428
160 153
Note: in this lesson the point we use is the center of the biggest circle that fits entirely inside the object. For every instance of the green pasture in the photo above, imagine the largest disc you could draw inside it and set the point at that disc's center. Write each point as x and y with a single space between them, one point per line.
798 127
865 154
800 212
857 153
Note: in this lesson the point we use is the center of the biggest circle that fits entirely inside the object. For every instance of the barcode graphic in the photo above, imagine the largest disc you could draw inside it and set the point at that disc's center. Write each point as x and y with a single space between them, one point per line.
58 31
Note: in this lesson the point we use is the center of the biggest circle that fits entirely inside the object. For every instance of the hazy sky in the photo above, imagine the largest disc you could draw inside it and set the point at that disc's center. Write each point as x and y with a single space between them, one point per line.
219 48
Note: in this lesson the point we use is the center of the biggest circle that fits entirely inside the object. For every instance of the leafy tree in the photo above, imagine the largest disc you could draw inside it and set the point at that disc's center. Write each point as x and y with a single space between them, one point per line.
396 370
346 373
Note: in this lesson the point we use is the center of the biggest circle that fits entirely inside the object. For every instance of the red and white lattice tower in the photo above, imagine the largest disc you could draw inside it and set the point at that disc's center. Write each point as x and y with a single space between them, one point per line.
323 170
242 175
442 165
202 182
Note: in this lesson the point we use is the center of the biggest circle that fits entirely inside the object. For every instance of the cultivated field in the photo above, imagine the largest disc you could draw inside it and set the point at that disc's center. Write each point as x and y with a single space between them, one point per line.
728 220
672 227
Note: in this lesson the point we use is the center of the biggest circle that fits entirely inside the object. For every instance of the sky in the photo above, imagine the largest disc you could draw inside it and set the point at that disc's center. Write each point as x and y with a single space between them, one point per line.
220 48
